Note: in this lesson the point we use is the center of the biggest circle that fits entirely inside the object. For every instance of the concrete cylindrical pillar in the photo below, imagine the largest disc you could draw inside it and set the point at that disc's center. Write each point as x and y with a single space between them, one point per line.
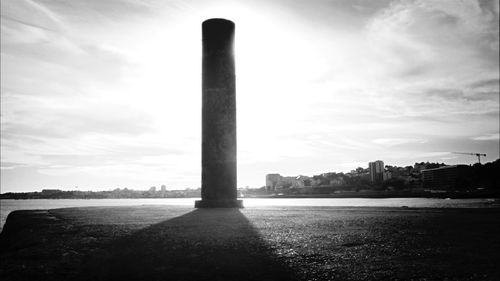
218 187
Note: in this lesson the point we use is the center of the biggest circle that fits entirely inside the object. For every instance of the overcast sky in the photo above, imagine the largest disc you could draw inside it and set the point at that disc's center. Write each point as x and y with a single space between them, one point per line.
102 94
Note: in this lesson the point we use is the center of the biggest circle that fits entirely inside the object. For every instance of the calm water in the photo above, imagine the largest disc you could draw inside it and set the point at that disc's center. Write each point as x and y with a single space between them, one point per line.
7 206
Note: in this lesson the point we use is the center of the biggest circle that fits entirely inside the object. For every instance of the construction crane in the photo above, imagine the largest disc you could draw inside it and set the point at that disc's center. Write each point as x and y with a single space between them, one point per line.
472 153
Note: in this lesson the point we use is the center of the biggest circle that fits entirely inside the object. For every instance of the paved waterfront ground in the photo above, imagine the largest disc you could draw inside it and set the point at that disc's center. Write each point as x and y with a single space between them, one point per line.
279 243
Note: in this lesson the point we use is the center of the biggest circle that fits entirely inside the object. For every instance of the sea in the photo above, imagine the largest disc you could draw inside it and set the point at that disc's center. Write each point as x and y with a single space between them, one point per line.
9 205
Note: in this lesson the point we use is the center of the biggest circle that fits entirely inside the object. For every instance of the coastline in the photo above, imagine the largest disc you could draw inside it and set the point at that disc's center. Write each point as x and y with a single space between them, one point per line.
309 193
257 243
392 194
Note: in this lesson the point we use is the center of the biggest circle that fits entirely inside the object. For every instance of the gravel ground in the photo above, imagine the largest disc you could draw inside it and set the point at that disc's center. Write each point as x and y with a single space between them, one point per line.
300 243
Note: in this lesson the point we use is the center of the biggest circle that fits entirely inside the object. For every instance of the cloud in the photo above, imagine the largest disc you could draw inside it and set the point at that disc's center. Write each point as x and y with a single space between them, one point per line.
494 136
437 61
452 101
69 118
398 141
41 44
486 84
438 37
112 10
11 165
31 13
112 154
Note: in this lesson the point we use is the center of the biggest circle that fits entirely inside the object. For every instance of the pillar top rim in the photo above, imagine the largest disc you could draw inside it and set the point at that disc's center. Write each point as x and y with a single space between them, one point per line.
217 21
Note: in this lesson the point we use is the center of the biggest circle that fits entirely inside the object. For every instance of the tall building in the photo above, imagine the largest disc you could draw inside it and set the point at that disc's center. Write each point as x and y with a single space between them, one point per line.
376 171
447 177
163 188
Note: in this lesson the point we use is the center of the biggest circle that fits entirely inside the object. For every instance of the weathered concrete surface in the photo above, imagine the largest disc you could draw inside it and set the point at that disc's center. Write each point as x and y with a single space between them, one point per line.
218 187
306 243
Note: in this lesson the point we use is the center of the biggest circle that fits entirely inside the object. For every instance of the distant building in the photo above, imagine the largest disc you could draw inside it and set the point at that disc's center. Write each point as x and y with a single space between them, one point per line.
163 188
376 171
286 182
387 175
338 181
272 181
303 181
276 181
447 177
152 189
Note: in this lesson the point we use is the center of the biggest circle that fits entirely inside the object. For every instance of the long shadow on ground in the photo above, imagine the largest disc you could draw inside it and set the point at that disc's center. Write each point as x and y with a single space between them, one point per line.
205 244
176 243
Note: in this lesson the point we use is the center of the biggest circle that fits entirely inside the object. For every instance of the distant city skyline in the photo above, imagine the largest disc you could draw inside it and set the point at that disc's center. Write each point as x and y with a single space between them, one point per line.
100 94
372 168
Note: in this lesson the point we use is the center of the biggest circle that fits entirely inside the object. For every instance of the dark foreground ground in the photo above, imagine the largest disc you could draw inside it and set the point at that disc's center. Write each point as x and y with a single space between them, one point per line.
305 243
